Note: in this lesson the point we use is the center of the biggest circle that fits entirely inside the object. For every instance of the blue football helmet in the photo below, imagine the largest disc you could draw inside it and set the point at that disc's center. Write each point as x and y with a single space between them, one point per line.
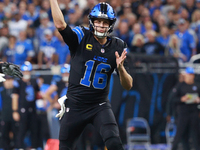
65 68
27 66
105 11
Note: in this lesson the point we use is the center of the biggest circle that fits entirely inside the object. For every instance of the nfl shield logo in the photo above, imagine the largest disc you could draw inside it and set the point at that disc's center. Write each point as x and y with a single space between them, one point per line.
102 50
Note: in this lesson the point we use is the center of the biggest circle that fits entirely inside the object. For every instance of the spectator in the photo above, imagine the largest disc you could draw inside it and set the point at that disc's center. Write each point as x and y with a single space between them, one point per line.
195 20
3 37
132 19
24 49
152 46
9 52
62 50
167 7
116 5
148 26
137 44
31 15
32 37
17 25
164 36
22 8
177 6
155 17
45 24
174 49
184 14
139 11
145 17
172 28
190 7
176 17
195 25
1 11
7 5
198 4
161 21
72 18
188 45
136 28
126 8
45 6
47 49
123 32
169 16
157 4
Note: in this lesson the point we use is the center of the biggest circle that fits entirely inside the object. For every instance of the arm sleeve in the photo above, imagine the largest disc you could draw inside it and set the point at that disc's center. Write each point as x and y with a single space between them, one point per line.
172 99
16 87
72 37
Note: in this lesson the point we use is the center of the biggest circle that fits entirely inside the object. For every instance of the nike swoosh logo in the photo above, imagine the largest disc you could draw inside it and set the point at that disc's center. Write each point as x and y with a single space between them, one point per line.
102 103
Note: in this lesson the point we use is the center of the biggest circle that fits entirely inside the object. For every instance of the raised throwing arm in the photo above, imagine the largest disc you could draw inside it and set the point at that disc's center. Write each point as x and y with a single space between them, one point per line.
57 15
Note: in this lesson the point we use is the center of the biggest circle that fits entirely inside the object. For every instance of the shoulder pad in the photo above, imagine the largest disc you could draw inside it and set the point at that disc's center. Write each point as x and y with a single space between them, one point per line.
119 41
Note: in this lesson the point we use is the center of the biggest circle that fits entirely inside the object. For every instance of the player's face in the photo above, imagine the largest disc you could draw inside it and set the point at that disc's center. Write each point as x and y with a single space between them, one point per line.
189 78
26 75
101 25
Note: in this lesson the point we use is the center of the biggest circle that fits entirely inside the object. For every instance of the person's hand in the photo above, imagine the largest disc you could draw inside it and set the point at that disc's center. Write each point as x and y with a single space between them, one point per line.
16 116
61 101
61 112
11 69
197 100
184 98
1 77
120 59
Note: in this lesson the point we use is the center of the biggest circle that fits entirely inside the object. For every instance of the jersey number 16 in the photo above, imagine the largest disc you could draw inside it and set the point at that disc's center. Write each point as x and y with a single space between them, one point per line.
99 79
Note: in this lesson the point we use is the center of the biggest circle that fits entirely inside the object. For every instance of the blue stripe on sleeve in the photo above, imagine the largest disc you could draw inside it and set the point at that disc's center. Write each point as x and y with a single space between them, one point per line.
78 34
81 31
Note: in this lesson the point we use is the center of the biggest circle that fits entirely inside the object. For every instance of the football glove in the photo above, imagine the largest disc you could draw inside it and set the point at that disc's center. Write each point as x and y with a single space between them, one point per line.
61 101
11 69
1 77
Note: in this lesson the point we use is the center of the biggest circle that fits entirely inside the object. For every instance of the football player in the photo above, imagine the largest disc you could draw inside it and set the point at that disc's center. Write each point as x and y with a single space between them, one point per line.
94 56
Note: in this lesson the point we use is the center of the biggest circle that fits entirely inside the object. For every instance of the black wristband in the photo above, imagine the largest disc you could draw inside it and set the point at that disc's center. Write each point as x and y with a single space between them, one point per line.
15 110
1 68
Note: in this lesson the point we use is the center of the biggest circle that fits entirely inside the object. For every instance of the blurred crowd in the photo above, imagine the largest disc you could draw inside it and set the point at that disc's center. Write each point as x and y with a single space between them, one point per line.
163 27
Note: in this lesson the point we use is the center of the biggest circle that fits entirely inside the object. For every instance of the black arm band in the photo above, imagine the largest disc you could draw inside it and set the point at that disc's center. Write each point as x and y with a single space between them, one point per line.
1 68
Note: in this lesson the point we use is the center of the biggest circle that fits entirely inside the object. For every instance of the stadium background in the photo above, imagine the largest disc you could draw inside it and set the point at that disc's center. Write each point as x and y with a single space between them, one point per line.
152 29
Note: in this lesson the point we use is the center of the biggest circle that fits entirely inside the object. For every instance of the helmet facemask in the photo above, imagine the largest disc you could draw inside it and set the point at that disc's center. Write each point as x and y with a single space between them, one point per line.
99 34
